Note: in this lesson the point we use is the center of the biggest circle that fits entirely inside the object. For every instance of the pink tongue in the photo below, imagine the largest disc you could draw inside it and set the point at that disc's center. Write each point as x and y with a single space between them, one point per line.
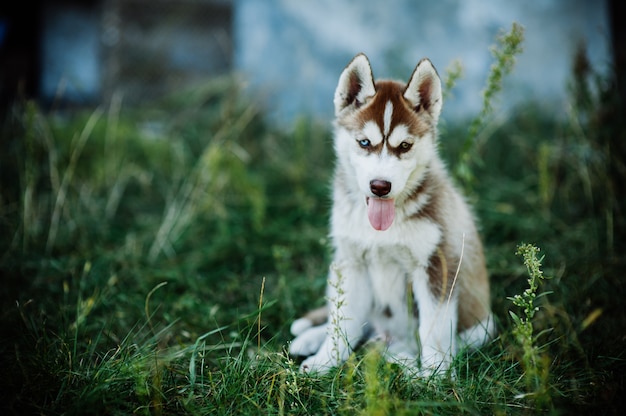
381 213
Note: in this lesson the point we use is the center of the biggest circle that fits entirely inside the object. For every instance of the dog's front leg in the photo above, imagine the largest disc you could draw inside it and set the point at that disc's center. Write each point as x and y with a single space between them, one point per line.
349 301
438 317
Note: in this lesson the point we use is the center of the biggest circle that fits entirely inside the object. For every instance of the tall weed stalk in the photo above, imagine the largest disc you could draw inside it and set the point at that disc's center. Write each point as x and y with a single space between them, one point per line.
507 48
534 363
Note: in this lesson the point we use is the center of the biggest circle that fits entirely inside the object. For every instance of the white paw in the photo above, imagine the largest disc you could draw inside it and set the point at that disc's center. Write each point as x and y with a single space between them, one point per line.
402 354
318 363
300 325
435 364
308 342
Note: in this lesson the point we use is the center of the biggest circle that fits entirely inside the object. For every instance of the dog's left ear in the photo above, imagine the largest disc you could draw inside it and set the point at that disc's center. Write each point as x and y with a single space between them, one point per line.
424 89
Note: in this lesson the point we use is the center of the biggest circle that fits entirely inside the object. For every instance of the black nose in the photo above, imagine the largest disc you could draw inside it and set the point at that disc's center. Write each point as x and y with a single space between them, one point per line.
380 188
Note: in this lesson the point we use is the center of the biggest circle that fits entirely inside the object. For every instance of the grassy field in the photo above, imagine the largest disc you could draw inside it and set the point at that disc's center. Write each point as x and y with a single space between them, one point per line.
152 260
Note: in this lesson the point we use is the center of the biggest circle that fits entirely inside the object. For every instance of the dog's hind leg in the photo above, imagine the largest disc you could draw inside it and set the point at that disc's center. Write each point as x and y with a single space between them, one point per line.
479 334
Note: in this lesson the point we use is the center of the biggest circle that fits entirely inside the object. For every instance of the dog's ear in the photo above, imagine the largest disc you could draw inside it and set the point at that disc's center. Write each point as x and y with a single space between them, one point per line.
424 89
356 83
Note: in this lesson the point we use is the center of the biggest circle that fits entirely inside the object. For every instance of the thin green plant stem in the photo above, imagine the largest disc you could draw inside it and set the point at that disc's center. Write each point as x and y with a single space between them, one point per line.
61 196
508 46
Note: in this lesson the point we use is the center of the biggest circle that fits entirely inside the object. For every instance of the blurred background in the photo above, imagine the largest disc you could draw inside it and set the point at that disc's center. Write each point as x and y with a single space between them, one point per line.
164 198
291 52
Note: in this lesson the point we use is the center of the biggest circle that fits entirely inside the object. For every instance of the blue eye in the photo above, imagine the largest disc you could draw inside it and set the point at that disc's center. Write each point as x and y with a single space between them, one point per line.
364 143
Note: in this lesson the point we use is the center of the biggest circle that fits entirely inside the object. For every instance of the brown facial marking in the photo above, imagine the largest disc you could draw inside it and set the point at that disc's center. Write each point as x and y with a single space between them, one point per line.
397 151
402 112
373 148
373 110
386 91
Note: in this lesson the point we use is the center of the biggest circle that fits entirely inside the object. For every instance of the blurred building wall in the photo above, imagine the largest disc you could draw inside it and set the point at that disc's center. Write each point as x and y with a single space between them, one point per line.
152 47
294 50
71 66
140 48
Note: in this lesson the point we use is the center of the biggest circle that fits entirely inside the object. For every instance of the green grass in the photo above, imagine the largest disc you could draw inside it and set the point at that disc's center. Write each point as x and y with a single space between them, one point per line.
152 260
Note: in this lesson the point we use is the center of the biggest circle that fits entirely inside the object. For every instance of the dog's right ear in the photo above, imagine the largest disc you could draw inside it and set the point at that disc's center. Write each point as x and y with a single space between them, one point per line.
356 83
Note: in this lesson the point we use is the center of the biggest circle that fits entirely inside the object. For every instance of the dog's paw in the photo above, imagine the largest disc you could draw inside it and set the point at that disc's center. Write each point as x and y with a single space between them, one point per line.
308 342
401 354
300 325
317 364
435 364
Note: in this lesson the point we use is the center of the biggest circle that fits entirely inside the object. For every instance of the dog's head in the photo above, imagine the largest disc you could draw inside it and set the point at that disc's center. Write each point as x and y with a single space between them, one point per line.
386 133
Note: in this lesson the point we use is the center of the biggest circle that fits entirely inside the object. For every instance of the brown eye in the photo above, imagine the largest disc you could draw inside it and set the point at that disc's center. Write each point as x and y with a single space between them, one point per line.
405 146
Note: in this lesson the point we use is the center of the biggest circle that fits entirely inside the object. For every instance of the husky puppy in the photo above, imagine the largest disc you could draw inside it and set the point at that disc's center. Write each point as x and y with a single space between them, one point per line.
408 263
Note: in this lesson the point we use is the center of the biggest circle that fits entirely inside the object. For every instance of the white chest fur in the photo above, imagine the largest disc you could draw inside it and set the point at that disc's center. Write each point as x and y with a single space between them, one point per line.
389 262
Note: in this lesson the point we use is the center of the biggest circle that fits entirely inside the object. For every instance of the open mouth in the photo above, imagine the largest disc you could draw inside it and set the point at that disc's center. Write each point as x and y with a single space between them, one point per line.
380 212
